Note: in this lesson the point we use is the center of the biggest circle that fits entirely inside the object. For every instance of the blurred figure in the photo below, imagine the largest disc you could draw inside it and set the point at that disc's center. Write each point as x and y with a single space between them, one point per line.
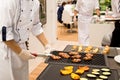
115 41
85 9
60 12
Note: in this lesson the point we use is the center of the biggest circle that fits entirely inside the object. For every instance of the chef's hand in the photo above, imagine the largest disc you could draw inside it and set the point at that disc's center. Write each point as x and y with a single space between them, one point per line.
26 55
48 49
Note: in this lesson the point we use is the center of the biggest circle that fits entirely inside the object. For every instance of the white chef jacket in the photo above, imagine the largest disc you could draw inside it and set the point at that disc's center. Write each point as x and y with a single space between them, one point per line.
86 7
115 8
85 10
17 19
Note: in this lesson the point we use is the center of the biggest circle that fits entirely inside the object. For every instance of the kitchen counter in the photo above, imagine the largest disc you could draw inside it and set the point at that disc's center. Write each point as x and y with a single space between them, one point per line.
36 72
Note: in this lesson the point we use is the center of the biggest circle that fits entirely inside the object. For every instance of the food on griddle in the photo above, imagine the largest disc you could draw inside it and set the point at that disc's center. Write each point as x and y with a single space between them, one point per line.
103 77
64 55
68 67
95 73
105 69
80 48
106 50
55 57
67 70
88 56
83 79
87 49
76 56
85 68
95 70
76 60
75 76
79 71
91 76
95 50
73 53
106 73
74 48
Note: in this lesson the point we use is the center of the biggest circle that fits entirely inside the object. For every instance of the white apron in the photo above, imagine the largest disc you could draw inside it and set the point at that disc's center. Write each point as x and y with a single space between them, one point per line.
22 18
85 9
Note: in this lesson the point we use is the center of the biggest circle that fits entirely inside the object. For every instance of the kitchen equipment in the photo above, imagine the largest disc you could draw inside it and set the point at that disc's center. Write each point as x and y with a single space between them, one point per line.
112 53
98 60
56 75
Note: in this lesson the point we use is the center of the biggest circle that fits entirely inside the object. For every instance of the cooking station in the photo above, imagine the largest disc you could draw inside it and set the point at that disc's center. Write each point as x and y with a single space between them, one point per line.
99 61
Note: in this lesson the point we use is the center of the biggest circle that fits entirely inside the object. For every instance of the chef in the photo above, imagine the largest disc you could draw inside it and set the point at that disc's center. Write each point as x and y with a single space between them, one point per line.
17 19
85 9
115 41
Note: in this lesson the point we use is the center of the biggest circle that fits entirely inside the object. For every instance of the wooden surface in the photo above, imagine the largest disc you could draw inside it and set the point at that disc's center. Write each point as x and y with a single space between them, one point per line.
36 72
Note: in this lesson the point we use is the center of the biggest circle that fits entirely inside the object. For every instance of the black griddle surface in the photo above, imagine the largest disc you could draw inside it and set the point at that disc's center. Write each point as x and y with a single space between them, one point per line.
52 72
113 51
98 60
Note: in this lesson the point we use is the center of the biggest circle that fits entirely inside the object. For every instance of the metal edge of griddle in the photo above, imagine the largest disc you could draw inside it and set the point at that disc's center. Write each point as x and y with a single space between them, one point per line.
112 56
105 57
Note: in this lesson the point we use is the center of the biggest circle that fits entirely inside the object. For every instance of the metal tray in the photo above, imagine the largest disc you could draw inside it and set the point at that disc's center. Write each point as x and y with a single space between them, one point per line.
52 72
98 60
113 51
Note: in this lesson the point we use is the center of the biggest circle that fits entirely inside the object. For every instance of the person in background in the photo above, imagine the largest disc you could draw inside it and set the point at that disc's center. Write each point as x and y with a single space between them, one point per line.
85 9
115 40
60 12
17 19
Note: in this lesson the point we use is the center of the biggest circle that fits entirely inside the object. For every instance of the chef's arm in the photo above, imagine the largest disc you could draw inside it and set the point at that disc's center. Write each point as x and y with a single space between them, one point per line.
98 12
13 45
41 37
75 12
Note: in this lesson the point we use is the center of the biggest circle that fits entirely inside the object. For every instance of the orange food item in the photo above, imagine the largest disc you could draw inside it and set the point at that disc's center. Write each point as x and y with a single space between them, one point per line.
64 55
75 76
55 57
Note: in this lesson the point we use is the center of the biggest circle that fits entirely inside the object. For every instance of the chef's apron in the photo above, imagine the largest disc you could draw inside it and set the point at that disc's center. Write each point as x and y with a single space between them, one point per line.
83 29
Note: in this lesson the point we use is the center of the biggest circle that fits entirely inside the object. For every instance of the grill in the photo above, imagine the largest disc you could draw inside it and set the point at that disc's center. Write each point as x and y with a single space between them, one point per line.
55 75
98 60
111 54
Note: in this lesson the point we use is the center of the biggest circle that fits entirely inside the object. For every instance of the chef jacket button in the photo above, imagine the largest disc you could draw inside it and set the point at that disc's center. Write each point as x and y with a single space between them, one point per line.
27 28
27 38
31 10
21 10
32 0
19 39
20 20
30 20
18 29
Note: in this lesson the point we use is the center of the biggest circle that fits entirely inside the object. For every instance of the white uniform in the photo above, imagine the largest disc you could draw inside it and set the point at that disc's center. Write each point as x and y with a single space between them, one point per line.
115 8
85 9
17 19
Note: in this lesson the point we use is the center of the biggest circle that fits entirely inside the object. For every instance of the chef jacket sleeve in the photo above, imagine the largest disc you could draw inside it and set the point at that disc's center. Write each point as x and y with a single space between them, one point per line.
97 4
6 18
36 29
77 5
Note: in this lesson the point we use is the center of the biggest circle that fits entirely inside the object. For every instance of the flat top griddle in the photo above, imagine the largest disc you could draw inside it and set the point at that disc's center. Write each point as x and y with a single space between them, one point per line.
98 60
52 72
111 54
